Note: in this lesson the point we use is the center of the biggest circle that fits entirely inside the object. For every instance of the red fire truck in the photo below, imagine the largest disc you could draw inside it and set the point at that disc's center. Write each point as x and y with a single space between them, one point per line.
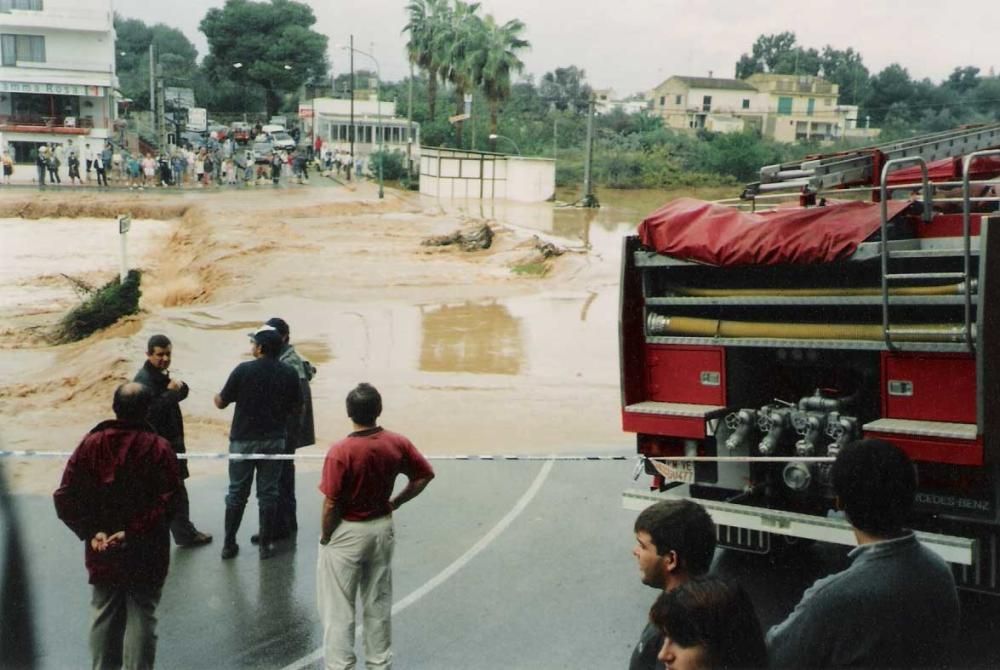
844 296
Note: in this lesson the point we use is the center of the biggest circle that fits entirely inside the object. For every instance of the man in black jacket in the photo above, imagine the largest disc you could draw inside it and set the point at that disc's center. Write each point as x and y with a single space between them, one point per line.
165 416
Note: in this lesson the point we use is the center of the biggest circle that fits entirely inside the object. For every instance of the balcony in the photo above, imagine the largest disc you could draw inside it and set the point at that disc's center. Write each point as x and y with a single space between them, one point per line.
61 18
57 125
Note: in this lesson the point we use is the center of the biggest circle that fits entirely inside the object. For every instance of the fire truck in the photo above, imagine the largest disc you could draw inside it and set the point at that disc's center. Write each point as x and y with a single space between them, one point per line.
845 296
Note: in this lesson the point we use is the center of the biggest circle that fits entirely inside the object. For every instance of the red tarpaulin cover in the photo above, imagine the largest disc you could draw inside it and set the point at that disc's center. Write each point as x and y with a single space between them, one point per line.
948 169
704 232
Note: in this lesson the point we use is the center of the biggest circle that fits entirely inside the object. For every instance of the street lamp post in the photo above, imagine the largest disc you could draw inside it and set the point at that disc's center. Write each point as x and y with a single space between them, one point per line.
378 102
494 136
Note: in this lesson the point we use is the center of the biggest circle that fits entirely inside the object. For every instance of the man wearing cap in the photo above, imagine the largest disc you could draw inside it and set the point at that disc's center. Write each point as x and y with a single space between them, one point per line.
266 393
299 431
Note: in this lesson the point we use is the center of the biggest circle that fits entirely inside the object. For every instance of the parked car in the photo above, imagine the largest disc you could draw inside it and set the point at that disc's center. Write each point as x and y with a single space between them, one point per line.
262 151
241 132
192 140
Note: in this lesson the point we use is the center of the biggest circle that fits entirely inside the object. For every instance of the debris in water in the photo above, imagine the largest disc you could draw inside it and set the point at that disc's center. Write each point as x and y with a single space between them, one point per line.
470 240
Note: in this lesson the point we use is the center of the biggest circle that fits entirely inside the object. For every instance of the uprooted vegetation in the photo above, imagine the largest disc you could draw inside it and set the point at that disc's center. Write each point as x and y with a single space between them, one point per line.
473 239
102 307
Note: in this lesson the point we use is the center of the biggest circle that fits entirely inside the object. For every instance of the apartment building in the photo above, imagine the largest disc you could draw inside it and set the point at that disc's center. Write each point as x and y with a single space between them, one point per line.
57 74
782 107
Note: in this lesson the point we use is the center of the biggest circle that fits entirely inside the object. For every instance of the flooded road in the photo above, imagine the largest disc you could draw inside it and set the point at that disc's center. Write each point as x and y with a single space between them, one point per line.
471 357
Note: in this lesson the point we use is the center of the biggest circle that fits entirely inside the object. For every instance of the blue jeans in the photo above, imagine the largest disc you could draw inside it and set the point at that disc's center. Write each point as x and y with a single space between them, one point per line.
241 473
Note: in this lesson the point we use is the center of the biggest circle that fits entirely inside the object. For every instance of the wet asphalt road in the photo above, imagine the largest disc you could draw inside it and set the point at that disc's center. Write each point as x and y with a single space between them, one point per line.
498 565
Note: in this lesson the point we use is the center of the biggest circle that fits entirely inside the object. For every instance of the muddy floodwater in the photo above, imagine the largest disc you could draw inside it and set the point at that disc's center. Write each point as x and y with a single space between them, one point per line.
489 352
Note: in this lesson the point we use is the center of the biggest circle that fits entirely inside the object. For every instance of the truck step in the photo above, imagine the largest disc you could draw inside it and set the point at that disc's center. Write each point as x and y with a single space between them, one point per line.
938 429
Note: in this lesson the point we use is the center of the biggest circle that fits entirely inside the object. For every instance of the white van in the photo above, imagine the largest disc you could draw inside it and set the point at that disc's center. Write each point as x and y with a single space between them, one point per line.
279 136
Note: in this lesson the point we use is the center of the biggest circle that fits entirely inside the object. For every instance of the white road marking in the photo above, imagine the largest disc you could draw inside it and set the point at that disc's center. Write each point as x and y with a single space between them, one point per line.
456 565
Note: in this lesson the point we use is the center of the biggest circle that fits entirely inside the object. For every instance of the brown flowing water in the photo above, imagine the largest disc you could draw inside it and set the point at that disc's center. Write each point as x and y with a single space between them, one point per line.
470 356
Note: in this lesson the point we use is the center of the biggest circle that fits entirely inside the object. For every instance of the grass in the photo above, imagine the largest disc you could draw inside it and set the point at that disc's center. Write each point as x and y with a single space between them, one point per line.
535 269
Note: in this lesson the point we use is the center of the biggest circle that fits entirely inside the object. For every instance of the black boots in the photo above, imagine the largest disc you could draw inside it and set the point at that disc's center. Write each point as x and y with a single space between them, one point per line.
234 516
268 520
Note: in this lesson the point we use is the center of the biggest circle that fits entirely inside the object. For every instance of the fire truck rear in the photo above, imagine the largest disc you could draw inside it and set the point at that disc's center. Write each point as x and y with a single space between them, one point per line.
757 338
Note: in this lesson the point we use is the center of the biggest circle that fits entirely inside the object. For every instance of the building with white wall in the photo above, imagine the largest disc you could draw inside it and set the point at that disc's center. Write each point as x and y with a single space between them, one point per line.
57 74
330 118
458 174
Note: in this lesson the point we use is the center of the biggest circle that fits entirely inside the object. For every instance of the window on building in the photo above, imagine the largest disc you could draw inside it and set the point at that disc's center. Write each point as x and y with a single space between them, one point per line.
35 5
811 106
24 48
663 100
678 99
784 105
746 103
706 103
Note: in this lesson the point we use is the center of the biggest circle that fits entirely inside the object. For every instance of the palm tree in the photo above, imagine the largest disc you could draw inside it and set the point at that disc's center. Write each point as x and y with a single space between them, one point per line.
429 27
496 60
466 37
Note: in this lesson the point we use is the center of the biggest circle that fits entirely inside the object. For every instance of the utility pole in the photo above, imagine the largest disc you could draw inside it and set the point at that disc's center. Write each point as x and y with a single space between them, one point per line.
161 108
352 101
589 199
409 126
152 87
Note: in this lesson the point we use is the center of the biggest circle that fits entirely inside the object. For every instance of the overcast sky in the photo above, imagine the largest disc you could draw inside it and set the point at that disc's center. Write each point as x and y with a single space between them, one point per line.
632 45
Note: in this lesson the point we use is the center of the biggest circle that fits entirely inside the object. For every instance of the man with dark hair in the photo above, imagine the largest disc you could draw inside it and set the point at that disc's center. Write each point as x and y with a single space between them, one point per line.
356 542
299 431
896 605
116 494
165 415
675 541
266 393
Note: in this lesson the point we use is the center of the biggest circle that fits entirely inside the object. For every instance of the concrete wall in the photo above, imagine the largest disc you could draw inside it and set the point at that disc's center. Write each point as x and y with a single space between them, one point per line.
453 174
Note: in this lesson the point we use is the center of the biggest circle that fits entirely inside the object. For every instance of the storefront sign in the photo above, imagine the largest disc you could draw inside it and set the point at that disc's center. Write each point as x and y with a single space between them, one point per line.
51 89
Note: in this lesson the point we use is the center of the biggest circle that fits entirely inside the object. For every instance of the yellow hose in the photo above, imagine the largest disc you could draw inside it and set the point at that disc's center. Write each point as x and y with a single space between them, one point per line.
685 325
946 289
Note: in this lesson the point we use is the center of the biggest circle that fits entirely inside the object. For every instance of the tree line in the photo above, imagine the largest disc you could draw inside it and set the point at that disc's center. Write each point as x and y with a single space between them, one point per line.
264 55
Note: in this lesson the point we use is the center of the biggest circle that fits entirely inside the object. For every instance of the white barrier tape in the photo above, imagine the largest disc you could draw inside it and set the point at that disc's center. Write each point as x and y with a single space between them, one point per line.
743 459
220 456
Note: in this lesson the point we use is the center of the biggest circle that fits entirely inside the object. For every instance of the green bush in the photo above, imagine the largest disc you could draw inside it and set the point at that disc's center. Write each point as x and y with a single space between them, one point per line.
101 308
393 165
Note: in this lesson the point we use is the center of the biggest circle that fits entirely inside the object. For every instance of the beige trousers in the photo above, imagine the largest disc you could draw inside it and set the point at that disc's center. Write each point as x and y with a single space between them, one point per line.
357 560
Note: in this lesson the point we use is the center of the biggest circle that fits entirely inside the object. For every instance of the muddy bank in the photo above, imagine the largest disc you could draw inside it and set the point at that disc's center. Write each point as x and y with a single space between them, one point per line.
471 357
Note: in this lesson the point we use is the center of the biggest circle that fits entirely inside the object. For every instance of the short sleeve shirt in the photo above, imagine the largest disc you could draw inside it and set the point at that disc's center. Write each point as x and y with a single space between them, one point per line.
360 471
265 391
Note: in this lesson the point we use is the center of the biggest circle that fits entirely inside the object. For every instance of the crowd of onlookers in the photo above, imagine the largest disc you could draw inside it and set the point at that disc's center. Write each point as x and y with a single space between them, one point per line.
217 163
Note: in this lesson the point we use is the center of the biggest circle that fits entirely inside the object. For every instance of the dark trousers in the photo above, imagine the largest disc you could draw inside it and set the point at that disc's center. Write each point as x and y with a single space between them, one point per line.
181 527
41 176
102 177
287 521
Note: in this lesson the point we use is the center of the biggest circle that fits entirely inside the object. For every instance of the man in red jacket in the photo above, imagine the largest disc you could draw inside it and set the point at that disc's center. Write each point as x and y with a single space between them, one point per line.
117 495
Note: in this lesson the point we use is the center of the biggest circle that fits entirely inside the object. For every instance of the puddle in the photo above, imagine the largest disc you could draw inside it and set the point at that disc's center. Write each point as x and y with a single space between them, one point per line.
476 338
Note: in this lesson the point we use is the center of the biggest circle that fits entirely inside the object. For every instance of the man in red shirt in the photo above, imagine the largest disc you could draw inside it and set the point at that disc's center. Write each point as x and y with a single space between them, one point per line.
117 495
357 538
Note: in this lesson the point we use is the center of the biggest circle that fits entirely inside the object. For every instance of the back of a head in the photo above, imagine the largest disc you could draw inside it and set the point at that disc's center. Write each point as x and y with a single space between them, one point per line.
132 402
364 404
717 615
876 484
682 526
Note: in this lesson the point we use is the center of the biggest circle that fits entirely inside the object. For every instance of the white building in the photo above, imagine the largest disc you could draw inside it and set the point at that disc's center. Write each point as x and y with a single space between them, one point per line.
331 118
57 73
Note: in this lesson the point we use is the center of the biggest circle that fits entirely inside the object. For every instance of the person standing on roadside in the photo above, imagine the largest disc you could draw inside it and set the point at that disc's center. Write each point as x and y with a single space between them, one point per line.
74 168
101 166
675 542
42 164
165 416
116 494
53 165
299 432
356 542
266 393
8 167
88 158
